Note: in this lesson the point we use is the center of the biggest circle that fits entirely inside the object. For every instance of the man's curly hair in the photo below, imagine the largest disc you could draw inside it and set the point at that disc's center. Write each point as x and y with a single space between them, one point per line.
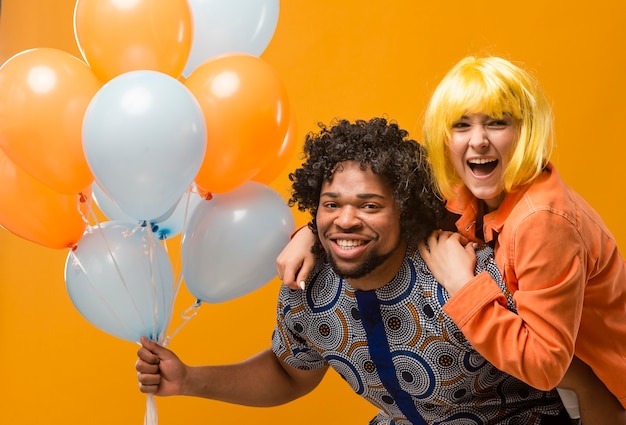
389 152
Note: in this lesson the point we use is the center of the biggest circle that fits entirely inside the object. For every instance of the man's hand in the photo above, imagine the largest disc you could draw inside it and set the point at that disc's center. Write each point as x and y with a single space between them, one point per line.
159 370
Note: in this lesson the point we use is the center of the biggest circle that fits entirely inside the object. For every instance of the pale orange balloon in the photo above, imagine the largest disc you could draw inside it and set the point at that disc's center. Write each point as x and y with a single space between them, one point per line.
247 113
44 94
287 150
116 36
35 212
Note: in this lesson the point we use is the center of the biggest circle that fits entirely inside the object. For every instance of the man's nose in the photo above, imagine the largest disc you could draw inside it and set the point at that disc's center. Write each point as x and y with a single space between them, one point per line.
347 218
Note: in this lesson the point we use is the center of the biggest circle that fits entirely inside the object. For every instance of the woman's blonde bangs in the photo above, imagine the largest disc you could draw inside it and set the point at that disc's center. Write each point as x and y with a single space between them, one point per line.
496 87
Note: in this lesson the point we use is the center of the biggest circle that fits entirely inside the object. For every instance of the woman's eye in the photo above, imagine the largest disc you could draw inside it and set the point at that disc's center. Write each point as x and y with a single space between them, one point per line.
460 125
497 124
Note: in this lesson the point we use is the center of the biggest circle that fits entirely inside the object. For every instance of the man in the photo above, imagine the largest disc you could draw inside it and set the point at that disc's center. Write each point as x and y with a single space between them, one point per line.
371 309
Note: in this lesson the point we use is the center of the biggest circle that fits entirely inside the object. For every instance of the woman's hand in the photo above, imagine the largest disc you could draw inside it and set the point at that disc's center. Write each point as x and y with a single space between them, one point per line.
450 258
296 261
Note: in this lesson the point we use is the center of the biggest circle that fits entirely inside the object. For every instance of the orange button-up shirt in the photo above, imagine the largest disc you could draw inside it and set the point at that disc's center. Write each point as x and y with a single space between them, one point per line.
568 281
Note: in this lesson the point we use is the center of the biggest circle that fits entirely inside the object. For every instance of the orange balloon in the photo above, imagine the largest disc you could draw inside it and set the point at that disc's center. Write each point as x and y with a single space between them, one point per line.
277 165
44 94
116 36
246 109
35 212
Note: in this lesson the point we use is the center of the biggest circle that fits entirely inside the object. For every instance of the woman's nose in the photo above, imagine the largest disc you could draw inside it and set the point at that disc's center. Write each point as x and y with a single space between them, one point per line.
478 137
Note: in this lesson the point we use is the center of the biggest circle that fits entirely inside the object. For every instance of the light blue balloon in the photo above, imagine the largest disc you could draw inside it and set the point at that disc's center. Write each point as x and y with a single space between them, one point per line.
174 223
144 138
169 225
108 206
120 278
233 26
230 246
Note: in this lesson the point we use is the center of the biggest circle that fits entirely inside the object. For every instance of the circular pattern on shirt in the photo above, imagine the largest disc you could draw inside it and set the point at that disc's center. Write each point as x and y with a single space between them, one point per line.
515 386
402 324
369 366
445 357
400 288
393 323
324 329
428 311
323 294
414 375
472 361
462 418
445 360
328 334
348 369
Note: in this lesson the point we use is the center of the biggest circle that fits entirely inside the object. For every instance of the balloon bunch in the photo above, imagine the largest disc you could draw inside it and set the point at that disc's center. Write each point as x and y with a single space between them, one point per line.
172 124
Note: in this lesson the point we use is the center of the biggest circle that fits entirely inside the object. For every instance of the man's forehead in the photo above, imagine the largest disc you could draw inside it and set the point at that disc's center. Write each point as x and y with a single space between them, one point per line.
350 178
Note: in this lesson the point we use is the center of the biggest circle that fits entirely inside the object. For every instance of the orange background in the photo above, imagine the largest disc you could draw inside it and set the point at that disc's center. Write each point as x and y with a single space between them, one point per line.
350 59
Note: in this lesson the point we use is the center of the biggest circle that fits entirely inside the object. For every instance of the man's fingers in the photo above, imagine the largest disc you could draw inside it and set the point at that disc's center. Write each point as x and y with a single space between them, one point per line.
148 389
149 379
143 367
147 356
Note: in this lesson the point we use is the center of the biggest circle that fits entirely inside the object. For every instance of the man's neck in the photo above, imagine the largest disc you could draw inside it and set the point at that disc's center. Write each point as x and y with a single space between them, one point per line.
383 274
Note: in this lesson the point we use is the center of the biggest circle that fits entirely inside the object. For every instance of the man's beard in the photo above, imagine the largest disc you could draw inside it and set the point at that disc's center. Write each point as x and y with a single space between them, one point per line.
371 262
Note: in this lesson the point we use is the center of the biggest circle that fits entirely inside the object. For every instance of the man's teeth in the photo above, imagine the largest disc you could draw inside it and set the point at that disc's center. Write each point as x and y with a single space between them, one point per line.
344 243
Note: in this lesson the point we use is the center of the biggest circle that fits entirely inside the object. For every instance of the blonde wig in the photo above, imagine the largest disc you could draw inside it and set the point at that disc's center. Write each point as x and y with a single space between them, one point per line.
492 86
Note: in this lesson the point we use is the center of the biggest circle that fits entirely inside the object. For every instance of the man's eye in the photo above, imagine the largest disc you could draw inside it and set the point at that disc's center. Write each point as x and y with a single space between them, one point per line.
330 205
370 206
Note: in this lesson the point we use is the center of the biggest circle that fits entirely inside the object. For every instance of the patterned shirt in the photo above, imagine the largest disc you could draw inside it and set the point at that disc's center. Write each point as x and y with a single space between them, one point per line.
397 348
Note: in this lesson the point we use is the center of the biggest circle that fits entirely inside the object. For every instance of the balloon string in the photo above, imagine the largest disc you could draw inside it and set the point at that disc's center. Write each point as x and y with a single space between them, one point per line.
151 416
187 315
156 308
92 213
76 262
190 312
151 243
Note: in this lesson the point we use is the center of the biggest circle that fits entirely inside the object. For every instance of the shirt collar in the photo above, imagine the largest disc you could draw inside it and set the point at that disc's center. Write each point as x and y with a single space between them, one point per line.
466 205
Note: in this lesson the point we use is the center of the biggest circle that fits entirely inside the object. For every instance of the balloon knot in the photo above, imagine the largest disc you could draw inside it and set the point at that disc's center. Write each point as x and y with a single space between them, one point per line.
208 196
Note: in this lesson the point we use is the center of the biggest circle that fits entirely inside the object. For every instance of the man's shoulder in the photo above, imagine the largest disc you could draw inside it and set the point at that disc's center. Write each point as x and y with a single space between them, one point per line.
412 254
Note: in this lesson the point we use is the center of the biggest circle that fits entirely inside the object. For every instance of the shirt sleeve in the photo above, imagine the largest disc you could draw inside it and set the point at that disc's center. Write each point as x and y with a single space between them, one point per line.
289 341
545 260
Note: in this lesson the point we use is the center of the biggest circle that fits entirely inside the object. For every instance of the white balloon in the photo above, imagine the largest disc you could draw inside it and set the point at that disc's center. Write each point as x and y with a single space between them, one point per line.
242 26
144 138
121 280
169 225
108 206
230 246
178 220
